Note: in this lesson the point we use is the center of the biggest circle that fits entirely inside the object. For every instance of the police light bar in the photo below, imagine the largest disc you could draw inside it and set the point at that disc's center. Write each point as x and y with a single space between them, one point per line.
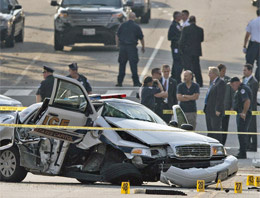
106 96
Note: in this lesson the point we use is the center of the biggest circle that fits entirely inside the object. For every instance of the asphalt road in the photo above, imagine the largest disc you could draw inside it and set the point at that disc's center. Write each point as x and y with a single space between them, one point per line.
224 25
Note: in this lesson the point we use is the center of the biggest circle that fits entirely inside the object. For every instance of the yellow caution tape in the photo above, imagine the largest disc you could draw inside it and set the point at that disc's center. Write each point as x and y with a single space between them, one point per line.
11 108
117 129
165 111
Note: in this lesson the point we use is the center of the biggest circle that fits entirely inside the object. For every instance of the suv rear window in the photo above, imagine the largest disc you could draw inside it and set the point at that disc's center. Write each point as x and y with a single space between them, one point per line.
112 3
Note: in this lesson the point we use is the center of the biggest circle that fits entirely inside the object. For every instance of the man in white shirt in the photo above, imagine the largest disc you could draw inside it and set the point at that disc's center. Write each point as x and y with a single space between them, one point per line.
185 18
253 49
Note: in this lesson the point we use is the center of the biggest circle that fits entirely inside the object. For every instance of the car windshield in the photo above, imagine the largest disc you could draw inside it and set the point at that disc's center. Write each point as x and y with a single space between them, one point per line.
4 6
112 3
130 111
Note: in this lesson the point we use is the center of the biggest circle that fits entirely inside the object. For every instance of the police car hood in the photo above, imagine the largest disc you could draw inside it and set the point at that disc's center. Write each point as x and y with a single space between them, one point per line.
145 132
6 101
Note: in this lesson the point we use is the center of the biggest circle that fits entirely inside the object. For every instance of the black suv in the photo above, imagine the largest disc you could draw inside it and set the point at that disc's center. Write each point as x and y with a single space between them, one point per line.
142 8
88 21
256 3
11 22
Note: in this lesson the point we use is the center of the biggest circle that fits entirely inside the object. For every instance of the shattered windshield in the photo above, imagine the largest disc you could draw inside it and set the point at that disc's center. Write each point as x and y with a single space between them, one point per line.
111 3
130 111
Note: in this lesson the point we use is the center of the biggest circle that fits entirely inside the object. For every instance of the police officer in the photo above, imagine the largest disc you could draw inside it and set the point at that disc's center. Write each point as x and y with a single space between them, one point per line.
127 38
253 49
242 104
73 70
174 34
45 88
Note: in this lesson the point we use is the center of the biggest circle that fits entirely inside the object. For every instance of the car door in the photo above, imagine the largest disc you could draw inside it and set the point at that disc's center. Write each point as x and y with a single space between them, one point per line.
69 105
179 116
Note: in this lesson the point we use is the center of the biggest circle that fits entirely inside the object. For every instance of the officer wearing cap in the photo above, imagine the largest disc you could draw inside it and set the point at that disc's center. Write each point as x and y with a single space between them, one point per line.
73 70
45 88
242 104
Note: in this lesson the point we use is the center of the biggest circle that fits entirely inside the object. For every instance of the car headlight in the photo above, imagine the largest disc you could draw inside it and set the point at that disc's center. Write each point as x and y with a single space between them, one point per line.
218 151
116 17
63 15
141 151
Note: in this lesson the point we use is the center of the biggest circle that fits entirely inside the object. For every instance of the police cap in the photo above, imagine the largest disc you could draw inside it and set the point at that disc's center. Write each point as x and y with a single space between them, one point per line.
234 79
48 69
73 66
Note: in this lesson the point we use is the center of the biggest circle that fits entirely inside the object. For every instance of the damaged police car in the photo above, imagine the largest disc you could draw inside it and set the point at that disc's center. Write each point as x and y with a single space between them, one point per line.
142 148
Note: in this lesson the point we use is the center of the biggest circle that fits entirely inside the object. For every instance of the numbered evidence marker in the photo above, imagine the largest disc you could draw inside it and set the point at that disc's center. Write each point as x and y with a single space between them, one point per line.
238 187
257 181
125 188
200 186
219 183
250 180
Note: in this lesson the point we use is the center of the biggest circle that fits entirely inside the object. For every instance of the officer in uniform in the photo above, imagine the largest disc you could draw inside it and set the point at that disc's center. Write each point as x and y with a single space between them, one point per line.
73 70
242 104
45 88
127 38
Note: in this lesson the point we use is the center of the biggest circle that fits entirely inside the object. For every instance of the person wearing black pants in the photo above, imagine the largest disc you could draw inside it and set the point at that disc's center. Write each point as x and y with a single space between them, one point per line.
242 104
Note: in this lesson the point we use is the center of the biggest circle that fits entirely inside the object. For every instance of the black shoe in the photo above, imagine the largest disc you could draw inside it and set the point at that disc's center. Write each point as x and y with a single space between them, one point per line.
119 85
138 84
241 156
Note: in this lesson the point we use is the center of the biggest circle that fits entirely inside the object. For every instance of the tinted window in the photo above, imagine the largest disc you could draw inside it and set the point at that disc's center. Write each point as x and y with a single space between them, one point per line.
4 6
113 3
70 96
130 111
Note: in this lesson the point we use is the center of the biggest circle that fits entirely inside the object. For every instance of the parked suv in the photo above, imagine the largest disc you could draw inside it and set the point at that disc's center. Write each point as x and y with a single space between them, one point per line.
142 8
88 21
11 22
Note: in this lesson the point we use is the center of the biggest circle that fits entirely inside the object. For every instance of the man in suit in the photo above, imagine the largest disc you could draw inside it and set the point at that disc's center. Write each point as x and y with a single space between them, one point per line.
190 48
214 103
169 85
252 83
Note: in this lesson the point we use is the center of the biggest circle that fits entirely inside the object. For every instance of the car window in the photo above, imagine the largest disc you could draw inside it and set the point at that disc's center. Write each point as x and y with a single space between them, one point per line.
113 3
4 5
181 119
130 111
70 96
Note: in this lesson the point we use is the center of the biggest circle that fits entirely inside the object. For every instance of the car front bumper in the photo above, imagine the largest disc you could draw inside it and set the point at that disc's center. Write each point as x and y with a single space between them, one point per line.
188 177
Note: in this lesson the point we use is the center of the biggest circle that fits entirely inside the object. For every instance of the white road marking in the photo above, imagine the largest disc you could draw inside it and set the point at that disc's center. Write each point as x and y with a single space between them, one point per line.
127 92
148 64
165 11
18 92
26 69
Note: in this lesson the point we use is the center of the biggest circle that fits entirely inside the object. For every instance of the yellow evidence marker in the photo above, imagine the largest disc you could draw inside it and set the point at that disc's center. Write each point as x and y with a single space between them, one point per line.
200 186
238 187
250 180
219 182
125 188
257 181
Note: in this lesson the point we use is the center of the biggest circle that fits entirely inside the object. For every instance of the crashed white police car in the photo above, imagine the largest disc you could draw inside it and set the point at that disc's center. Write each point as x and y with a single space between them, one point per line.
143 148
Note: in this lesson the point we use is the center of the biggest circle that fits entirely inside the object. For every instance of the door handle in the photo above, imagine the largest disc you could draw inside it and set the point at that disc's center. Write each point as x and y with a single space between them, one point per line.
53 114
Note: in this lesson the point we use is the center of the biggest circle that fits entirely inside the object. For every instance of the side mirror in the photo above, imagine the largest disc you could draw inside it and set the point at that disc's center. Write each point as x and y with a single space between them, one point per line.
129 4
54 3
187 127
17 7
173 123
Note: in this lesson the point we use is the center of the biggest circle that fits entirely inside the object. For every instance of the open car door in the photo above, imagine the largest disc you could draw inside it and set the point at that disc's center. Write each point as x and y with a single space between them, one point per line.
69 105
179 116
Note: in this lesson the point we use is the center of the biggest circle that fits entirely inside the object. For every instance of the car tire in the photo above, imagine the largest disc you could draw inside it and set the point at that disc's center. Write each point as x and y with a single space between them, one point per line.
121 172
9 42
146 17
20 36
58 45
10 169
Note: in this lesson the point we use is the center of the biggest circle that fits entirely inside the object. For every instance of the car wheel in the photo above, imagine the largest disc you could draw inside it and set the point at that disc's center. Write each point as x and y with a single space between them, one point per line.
58 45
10 169
121 172
9 42
146 17
20 36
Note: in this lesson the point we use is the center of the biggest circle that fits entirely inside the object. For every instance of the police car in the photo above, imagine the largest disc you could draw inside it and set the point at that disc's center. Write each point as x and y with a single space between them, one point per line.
134 144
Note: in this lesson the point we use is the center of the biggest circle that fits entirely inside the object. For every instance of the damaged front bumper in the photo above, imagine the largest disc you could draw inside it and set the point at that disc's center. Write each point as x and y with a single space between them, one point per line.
188 177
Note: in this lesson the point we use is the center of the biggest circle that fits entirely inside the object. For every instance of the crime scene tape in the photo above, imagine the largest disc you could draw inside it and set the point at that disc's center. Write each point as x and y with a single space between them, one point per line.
165 111
117 129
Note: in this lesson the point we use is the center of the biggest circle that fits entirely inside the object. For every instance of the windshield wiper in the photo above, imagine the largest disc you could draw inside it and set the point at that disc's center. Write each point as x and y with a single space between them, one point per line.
100 4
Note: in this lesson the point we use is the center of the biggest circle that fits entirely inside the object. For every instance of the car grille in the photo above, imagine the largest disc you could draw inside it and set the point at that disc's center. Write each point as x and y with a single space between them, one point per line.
193 151
90 19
